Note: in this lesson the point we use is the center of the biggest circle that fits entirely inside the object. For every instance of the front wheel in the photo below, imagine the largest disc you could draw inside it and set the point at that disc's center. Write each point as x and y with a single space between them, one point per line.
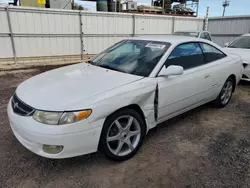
226 94
122 135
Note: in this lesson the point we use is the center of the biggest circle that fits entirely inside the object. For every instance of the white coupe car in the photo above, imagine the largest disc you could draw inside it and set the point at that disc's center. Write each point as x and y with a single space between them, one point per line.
199 34
241 47
110 103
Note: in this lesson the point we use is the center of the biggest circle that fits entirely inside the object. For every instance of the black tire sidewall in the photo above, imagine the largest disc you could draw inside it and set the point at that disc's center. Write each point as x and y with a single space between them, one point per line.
103 146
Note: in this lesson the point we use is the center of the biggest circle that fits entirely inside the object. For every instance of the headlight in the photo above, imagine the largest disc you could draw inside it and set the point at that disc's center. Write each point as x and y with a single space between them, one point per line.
60 118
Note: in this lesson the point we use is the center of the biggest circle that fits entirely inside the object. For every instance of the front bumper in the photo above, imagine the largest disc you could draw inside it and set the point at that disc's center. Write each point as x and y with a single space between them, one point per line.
74 138
246 73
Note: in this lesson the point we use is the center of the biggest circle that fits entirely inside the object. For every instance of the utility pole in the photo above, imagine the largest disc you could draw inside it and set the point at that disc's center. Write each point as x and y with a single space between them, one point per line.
206 20
163 6
225 4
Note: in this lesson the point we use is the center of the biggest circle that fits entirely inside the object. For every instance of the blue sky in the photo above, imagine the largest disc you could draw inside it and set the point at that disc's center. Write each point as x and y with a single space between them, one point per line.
237 7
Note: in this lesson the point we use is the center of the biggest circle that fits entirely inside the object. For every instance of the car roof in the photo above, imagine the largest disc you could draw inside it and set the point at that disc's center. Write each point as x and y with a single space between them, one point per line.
173 39
187 31
246 35
192 31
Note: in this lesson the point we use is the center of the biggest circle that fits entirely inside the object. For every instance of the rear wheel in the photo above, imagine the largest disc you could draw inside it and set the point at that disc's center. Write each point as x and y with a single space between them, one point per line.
122 135
226 94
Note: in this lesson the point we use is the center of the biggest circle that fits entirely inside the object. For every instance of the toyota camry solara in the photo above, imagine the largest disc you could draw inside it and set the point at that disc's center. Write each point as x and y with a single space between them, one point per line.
110 103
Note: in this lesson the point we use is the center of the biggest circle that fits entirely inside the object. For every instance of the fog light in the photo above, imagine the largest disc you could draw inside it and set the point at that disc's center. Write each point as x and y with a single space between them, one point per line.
52 149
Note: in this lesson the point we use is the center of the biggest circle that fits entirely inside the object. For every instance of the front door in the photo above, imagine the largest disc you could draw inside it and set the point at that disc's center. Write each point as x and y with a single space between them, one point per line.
179 93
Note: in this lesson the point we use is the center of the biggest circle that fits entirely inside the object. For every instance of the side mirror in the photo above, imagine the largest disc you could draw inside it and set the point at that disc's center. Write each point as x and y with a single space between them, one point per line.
227 44
171 70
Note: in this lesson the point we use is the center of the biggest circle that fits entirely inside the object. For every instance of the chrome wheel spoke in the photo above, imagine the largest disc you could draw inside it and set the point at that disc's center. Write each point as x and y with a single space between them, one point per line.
223 96
134 133
119 126
130 121
118 149
113 138
230 89
130 145
226 92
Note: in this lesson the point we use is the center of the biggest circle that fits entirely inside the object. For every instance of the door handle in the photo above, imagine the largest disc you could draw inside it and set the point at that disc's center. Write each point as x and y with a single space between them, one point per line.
207 75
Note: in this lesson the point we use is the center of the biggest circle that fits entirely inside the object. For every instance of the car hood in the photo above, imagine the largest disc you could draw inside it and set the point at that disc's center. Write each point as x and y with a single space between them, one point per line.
243 53
70 87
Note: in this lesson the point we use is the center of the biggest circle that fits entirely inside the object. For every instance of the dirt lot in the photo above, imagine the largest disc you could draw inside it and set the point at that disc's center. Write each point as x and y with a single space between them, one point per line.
206 147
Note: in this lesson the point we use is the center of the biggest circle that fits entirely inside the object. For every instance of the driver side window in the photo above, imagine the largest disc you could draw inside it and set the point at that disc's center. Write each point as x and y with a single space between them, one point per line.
188 55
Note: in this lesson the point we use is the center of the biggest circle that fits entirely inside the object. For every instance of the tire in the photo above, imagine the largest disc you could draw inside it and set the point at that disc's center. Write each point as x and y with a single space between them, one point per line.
226 91
120 141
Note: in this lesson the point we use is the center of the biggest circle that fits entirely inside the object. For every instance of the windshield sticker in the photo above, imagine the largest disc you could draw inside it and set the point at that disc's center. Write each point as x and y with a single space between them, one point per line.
155 46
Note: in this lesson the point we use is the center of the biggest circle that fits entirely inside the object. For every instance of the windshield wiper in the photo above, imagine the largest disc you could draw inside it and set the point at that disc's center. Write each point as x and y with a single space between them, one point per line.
232 47
111 68
105 66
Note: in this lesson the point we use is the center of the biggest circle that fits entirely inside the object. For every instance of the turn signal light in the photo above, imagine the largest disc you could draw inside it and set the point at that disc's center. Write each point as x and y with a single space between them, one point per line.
83 114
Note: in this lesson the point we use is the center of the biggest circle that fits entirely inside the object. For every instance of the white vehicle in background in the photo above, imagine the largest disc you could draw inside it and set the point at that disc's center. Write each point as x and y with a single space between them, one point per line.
241 47
112 102
198 34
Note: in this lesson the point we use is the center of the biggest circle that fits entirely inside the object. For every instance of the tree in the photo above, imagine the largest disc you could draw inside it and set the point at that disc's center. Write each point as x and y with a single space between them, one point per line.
77 7
80 7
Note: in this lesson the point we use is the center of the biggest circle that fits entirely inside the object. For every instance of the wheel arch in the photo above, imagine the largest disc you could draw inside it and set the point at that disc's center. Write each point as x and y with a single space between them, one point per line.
135 107
233 77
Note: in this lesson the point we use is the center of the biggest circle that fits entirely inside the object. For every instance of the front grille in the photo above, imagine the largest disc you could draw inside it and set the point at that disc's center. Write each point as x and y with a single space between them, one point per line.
244 76
20 108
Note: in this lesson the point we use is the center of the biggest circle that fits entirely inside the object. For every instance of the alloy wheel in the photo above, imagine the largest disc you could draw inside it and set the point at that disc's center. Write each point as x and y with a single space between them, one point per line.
227 91
123 135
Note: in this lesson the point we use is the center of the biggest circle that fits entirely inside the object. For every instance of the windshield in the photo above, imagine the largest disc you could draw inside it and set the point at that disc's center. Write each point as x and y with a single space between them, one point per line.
242 42
137 57
190 34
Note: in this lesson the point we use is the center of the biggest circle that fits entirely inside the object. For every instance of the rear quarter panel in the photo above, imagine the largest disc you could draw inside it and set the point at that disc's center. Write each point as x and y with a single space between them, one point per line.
231 65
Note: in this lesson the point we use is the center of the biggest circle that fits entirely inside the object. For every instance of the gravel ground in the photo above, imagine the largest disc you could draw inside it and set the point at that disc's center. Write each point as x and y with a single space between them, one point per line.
206 147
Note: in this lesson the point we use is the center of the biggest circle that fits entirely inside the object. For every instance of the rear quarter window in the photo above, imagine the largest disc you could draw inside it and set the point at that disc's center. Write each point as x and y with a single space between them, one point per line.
211 53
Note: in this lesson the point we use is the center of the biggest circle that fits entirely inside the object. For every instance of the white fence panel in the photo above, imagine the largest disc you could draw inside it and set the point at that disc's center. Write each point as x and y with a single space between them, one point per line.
5 47
4 28
47 46
107 23
149 24
188 24
226 29
49 33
